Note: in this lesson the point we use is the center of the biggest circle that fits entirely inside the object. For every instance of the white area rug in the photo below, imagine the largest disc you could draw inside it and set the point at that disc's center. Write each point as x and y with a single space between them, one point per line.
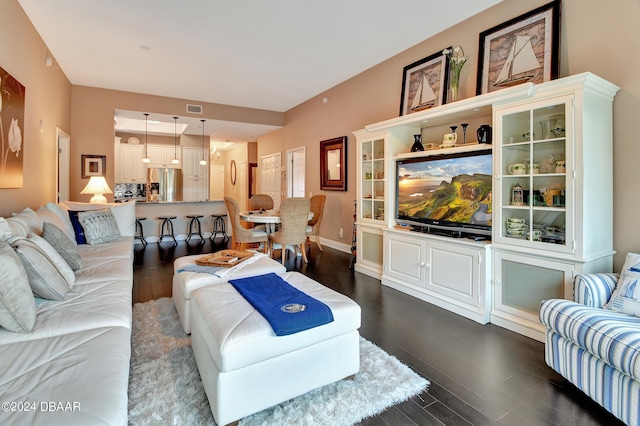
165 386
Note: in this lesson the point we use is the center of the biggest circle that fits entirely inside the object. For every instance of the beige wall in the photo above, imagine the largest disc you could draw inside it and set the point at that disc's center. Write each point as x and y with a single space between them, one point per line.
92 122
595 36
48 98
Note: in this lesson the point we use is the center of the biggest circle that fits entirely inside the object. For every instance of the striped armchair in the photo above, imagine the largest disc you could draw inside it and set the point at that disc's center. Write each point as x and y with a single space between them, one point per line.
595 348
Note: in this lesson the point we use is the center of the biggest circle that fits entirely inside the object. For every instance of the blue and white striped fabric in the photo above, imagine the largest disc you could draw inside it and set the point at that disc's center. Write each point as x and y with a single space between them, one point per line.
596 349
594 289
615 391
614 337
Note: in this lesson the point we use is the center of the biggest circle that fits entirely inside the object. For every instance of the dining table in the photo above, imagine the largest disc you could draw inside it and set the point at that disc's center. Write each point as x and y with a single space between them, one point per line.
270 218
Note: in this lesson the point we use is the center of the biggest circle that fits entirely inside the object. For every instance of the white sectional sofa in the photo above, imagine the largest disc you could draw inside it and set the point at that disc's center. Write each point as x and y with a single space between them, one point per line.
72 366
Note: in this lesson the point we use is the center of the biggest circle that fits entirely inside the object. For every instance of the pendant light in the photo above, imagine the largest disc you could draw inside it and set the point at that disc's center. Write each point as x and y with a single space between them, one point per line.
203 162
175 142
146 158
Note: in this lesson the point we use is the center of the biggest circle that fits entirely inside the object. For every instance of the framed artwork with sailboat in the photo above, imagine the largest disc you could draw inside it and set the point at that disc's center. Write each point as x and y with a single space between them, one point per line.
521 50
424 83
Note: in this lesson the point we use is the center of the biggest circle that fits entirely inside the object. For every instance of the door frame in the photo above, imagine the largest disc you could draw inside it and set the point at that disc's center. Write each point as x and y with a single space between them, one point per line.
63 147
290 168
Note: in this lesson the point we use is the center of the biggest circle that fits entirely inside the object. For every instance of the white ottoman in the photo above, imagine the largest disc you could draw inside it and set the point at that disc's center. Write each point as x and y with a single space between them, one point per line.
186 282
246 368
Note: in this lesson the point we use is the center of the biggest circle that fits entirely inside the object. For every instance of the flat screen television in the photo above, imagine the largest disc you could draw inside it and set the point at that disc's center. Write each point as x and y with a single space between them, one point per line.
450 192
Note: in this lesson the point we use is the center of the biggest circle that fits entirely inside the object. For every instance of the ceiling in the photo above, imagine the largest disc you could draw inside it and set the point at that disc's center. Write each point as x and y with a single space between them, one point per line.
270 55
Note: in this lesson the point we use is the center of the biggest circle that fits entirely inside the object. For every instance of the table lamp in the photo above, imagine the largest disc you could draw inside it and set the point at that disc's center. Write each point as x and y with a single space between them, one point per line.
97 186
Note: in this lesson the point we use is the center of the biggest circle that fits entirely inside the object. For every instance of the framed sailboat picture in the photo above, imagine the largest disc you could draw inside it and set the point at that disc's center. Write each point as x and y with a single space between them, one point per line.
521 50
424 83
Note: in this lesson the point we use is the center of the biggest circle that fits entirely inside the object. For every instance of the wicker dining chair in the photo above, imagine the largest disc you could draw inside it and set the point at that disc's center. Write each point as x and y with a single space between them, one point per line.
240 234
294 215
313 226
261 201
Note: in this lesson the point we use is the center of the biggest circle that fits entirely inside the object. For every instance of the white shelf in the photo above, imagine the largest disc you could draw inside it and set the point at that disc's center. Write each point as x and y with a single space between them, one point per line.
469 147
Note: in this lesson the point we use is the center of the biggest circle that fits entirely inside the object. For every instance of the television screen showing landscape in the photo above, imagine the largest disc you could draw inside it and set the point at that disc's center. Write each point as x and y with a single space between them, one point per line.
454 190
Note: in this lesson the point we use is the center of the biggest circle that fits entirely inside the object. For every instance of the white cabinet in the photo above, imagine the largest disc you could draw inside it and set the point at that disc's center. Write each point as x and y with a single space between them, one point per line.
195 177
450 273
563 196
521 282
162 155
552 172
129 166
375 177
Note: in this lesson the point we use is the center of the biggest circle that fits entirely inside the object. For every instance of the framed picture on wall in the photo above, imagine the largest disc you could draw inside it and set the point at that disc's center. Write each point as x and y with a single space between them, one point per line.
333 164
521 50
424 83
93 165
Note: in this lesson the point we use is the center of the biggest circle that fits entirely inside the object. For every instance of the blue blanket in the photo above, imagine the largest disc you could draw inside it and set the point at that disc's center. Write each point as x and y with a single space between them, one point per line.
286 308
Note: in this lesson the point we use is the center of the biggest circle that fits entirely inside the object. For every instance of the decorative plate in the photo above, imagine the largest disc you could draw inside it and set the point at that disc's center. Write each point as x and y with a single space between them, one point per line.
133 140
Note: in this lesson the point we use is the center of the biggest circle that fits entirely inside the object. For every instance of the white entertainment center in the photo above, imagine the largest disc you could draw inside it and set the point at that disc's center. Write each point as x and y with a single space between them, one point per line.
561 131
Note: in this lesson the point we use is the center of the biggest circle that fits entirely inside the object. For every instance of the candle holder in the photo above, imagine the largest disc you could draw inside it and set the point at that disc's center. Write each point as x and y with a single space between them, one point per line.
464 132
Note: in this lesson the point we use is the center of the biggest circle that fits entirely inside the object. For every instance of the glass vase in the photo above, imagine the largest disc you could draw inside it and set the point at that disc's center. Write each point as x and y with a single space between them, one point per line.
454 85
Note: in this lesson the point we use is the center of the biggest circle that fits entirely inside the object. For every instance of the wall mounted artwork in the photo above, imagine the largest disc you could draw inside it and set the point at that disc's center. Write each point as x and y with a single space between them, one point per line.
12 95
521 50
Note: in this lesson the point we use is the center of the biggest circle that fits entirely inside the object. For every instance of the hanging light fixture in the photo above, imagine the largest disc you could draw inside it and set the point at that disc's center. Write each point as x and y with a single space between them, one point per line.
203 162
146 158
175 142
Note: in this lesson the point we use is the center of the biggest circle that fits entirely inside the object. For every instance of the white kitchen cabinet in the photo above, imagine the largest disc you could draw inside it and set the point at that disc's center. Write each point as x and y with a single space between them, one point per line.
161 156
195 177
450 273
129 166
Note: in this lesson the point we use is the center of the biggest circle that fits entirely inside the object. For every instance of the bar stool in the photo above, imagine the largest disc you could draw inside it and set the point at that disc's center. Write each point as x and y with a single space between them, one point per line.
219 227
166 221
139 234
193 225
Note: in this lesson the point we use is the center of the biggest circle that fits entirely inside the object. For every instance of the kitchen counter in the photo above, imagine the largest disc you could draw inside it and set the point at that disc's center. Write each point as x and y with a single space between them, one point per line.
180 209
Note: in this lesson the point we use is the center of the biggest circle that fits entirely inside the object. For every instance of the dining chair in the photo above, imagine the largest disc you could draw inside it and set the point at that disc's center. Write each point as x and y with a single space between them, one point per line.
294 215
261 201
240 234
313 226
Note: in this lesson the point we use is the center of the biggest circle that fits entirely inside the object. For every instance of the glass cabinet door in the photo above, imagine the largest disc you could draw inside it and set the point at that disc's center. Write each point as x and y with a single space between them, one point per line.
372 203
535 195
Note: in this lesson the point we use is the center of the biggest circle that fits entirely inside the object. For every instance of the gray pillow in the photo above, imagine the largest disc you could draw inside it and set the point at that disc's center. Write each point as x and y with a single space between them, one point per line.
17 306
63 245
45 279
99 226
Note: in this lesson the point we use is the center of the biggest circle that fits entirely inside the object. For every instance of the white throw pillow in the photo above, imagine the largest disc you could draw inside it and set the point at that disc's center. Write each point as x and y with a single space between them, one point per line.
64 218
56 259
18 226
51 217
124 213
31 219
624 298
17 305
45 279
99 226
4 226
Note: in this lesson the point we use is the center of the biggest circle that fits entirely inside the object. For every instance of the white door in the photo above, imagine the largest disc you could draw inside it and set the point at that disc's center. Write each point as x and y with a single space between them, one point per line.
216 182
64 161
270 182
296 172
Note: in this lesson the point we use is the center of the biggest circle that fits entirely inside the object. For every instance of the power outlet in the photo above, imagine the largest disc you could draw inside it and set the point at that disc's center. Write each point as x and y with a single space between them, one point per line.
341 233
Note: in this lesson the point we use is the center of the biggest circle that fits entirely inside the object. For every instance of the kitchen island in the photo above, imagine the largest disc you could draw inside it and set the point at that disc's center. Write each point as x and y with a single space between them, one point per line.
180 209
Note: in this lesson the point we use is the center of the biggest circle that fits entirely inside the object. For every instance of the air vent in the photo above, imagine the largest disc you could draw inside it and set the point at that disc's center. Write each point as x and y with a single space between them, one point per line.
194 109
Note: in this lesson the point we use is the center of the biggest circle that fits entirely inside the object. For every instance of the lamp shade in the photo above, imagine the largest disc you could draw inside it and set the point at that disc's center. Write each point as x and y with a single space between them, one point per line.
97 186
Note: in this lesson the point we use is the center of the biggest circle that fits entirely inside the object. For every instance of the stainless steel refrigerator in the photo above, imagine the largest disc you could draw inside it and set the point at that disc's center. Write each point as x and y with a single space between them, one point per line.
168 183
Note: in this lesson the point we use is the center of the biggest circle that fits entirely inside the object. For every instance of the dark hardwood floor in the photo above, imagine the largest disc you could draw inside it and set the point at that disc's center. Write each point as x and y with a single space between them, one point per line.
480 374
